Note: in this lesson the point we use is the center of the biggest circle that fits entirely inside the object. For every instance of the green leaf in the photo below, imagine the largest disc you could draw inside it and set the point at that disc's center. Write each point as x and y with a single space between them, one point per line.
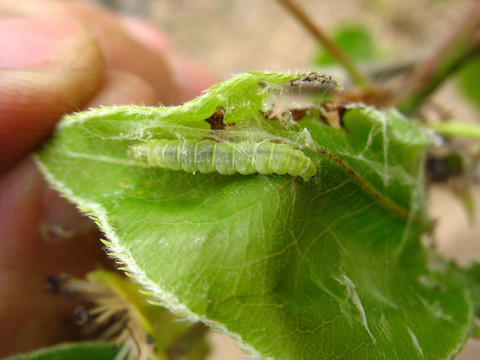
472 276
293 270
469 81
357 43
73 351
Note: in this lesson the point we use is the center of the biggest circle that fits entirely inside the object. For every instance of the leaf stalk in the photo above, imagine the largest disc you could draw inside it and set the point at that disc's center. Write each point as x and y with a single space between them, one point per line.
430 74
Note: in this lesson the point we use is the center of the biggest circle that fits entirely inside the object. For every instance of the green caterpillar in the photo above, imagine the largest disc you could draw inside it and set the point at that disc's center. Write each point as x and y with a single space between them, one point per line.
227 158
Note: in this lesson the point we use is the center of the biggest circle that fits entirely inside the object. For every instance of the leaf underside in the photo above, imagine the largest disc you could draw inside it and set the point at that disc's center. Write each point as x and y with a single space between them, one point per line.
332 268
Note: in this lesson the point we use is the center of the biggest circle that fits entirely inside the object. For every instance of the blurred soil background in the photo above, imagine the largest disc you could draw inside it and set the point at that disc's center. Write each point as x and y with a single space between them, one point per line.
232 36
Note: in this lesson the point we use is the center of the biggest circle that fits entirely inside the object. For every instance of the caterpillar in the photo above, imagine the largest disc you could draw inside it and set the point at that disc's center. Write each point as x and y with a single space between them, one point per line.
227 158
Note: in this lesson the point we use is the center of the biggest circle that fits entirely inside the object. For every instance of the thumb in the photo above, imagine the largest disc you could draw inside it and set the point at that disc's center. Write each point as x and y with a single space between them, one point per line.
48 67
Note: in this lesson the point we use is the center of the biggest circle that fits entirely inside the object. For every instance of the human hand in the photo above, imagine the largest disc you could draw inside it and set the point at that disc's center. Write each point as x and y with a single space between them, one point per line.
58 57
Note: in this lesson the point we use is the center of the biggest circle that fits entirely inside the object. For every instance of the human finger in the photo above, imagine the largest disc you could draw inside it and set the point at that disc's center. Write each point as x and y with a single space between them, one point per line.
48 67
122 49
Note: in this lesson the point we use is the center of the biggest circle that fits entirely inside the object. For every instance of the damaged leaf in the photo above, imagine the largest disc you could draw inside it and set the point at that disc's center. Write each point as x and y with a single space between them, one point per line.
332 268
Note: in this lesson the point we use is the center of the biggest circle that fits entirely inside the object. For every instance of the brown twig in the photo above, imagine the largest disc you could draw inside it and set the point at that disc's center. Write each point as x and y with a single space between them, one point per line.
427 76
357 76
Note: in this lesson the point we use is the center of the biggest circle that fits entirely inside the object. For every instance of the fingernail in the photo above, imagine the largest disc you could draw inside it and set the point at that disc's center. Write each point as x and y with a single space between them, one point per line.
70 61
33 42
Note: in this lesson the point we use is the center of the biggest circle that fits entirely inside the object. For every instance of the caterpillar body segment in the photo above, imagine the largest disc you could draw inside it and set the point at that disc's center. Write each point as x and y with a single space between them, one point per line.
227 158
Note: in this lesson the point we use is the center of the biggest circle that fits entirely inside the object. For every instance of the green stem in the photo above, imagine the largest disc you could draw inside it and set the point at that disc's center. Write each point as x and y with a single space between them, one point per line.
457 130
356 75
450 56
